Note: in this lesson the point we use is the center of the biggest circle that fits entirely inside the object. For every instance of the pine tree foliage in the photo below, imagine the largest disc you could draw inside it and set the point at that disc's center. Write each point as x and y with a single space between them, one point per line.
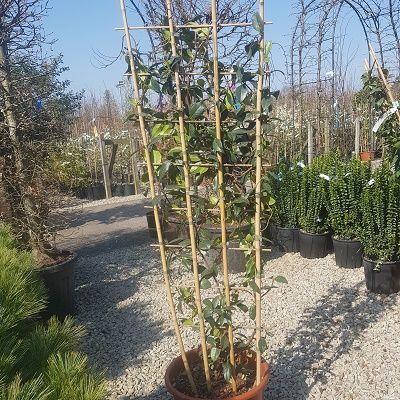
37 360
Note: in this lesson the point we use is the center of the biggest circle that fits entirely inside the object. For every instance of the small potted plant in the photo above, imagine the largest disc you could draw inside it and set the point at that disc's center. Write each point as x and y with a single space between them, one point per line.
314 236
380 206
345 192
286 191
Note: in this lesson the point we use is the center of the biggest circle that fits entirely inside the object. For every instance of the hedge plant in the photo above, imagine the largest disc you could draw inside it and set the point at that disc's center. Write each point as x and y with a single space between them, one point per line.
345 192
380 207
286 190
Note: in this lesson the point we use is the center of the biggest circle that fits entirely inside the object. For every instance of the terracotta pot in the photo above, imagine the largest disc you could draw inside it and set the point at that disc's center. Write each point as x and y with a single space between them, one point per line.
176 367
367 155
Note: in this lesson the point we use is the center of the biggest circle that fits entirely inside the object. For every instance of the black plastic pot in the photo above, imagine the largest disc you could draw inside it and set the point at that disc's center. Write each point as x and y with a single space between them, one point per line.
98 192
383 277
236 258
151 224
175 228
287 239
348 253
129 189
59 281
313 245
118 190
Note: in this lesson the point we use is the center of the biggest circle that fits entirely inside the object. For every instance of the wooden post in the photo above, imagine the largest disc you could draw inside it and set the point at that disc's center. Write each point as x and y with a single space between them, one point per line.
104 165
326 133
150 171
357 137
135 173
310 143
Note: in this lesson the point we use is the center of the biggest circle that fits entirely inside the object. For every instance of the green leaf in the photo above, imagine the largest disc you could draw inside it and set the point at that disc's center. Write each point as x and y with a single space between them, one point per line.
280 279
262 345
267 51
217 146
205 284
257 22
161 130
163 170
251 49
252 312
187 322
254 286
214 353
156 155
242 307
227 369
196 110
154 85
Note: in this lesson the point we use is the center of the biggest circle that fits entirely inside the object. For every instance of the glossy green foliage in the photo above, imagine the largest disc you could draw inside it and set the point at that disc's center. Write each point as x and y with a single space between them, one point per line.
345 192
380 208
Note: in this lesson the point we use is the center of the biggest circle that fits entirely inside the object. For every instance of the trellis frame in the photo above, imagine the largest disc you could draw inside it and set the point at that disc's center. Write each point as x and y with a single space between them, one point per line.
220 169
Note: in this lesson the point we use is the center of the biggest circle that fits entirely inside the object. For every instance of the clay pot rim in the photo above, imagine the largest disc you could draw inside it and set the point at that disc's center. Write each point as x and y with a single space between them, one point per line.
248 395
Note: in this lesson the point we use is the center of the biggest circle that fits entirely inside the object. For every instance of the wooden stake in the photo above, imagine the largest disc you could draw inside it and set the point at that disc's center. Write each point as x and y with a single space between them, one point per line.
357 137
150 172
135 173
221 194
310 143
189 211
257 223
326 133
383 77
104 166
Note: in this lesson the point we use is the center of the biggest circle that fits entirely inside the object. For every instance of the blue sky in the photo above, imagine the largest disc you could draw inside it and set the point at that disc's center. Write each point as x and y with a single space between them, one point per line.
84 27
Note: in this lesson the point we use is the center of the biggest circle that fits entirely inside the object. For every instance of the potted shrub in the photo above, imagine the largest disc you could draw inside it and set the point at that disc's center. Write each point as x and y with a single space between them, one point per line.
205 172
345 192
314 236
286 191
380 208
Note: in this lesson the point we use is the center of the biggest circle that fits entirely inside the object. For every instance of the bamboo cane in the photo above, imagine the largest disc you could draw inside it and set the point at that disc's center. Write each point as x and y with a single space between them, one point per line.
150 171
192 233
189 26
383 77
257 228
221 194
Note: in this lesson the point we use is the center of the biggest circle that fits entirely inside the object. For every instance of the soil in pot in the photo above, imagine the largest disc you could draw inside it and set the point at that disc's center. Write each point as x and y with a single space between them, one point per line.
348 253
178 384
314 245
59 280
287 239
383 278
236 258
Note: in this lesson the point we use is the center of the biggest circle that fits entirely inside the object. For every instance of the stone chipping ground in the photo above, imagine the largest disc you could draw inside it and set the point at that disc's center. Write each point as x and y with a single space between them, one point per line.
329 338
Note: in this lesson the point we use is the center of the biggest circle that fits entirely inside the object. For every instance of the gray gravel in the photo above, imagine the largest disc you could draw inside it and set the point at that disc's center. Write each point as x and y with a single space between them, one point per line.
330 339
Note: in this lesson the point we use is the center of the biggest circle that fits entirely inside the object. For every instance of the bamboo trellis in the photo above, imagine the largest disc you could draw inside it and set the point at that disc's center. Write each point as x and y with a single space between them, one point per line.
186 165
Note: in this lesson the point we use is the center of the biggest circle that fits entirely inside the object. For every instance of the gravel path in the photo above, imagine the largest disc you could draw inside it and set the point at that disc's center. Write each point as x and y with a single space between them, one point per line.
330 339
